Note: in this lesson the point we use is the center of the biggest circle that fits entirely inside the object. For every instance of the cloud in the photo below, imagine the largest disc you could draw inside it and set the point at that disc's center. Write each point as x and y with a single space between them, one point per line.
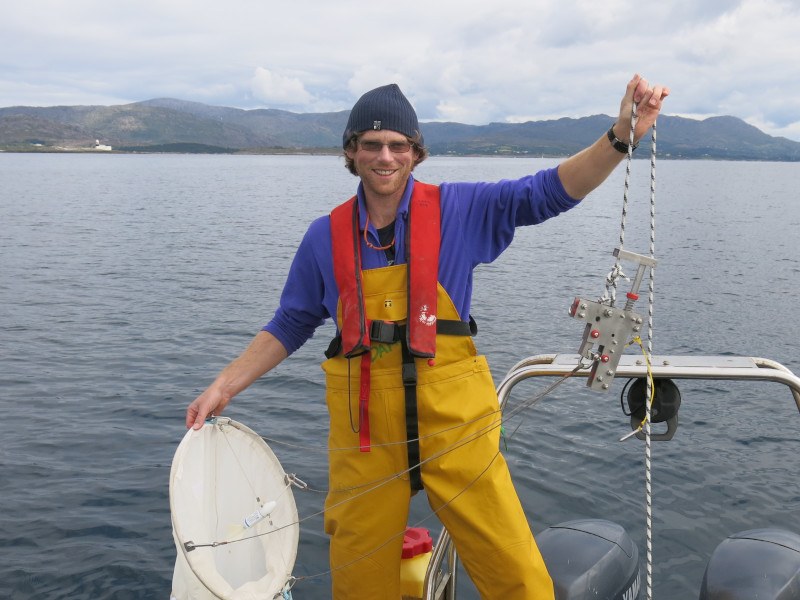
465 60
279 90
465 109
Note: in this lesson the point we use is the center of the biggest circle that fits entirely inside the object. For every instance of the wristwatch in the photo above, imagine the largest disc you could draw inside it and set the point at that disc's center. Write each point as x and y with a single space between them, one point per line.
618 144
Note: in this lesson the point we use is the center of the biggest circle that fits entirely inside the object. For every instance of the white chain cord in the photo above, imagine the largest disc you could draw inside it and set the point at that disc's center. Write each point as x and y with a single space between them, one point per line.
649 392
610 295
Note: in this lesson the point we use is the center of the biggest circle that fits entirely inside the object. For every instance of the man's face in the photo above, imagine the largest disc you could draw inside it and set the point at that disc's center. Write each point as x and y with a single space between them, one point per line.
384 173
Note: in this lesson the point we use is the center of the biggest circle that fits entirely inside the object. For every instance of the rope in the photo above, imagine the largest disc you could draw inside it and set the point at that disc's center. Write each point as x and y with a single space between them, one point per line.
616 272
508 415
494 424
610 296
374 485
433 513
650 302
470 438
648 352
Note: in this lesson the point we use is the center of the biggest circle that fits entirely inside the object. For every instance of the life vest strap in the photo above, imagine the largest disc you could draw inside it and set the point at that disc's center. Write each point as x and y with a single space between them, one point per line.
412 419
387 332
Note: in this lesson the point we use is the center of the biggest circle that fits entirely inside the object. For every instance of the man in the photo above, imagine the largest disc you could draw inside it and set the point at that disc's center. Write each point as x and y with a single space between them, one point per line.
412 405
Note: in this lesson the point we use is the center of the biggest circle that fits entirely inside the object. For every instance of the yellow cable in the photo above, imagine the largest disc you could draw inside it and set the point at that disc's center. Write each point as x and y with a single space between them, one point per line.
638 340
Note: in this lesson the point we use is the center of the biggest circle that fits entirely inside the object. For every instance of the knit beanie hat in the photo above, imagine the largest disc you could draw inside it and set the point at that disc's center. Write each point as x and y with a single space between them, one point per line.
383 108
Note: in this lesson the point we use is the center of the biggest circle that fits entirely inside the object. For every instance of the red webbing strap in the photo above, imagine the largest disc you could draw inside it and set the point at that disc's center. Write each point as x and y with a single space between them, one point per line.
422 248
347 271
346 244
363 404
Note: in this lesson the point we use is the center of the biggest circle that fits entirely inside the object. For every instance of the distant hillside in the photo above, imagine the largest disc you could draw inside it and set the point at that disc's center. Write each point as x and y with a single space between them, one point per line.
169 125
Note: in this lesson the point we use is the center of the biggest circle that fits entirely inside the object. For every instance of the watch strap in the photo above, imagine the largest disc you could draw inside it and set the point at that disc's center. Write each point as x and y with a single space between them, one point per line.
617 143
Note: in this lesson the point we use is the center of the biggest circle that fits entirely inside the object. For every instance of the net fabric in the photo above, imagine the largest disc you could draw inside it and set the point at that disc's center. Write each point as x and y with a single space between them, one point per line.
220 474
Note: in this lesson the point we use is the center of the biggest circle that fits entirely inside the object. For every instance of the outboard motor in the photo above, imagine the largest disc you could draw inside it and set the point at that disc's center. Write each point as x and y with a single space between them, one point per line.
759 563
591 559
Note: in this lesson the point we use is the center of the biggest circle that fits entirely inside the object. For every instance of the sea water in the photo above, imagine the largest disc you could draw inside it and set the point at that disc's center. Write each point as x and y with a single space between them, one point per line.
128 281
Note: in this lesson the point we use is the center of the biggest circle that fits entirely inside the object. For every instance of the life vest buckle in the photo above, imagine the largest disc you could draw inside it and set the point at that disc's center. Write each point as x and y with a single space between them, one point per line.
409 374
385 332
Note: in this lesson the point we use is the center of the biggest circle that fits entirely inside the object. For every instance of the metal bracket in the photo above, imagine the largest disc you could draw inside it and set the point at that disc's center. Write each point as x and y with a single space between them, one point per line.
292 479
608 327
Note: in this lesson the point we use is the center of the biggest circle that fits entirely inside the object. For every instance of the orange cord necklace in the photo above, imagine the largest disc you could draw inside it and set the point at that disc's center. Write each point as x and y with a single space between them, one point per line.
367 242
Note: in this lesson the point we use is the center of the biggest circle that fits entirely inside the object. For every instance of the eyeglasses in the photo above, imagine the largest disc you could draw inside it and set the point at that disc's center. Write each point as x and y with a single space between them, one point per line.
396 147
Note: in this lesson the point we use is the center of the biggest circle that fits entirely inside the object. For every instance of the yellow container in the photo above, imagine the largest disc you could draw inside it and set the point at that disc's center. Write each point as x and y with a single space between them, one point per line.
417 550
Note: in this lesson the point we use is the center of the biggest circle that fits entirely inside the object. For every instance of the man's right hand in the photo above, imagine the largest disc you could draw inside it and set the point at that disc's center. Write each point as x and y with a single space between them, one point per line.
208 404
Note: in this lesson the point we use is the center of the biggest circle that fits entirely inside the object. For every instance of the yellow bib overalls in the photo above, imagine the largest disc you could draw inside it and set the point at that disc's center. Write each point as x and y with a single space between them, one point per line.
465 476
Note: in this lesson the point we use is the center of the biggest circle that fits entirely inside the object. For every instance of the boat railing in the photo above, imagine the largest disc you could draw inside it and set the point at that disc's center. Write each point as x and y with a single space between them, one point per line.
440 580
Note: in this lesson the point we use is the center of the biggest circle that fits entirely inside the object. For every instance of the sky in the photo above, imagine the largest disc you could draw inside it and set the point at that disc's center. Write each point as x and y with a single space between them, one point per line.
467 61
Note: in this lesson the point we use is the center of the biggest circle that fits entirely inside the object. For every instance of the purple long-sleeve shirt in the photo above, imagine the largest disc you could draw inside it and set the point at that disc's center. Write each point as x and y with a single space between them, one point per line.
478 223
